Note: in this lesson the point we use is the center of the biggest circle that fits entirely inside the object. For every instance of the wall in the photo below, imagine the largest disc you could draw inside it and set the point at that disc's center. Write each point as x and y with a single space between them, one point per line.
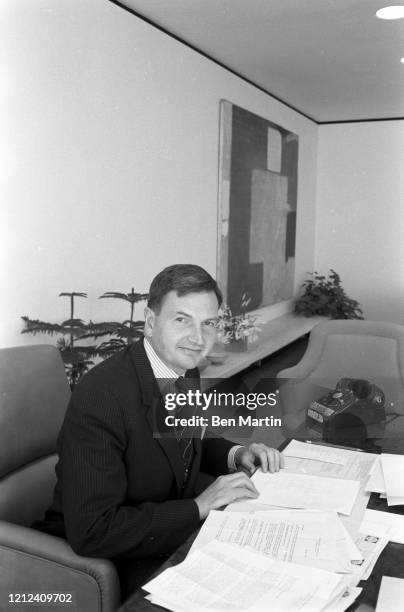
110 150
360 213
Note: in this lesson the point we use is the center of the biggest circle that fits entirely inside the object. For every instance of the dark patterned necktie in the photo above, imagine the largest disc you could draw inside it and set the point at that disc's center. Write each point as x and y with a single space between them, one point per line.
184 384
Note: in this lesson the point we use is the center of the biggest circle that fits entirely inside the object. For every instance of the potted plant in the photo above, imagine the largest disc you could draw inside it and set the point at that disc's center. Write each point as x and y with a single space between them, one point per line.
121 334
77 359
325 296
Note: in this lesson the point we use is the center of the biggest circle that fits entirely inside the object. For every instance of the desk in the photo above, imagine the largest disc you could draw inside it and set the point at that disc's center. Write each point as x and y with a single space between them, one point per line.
137 602
390 562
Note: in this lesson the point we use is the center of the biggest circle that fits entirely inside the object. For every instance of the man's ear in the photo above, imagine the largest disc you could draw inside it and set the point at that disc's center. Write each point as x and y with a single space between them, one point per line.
149 317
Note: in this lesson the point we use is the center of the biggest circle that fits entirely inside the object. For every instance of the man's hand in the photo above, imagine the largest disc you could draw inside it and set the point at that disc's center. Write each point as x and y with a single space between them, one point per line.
248 457
225 490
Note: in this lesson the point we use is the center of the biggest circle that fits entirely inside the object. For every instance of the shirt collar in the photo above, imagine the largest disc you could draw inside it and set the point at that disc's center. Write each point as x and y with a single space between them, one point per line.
160 369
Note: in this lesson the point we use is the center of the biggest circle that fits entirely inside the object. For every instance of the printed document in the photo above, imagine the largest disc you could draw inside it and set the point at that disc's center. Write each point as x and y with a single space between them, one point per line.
316 452
299 536
217 577
356 466
290 490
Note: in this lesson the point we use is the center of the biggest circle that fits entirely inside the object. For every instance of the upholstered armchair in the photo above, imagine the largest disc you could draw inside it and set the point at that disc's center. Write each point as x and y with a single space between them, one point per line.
33 396
370 350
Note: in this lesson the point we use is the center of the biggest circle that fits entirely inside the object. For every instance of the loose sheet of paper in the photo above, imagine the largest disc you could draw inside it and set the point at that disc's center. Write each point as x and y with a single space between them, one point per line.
217 577
354 520
305 491
383 524
376 483
346 599
245 506
371 548
391 595
356 467
316 452
308 538
393 474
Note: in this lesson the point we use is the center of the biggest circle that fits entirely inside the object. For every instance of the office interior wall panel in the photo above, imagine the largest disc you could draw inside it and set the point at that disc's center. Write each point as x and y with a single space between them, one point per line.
360 213
109 157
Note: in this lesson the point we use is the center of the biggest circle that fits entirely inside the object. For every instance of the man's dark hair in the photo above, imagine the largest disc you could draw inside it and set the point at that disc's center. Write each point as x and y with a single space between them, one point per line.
183 279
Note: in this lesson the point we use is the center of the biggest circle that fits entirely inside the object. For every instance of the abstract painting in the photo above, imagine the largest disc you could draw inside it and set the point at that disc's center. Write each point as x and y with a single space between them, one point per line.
258 170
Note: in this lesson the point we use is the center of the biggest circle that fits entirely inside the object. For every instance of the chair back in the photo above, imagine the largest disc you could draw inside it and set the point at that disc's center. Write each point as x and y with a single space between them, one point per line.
34 393
366 348
369 350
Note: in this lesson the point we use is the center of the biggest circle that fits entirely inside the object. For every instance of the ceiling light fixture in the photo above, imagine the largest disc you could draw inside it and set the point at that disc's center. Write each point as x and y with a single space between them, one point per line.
402 60
391 12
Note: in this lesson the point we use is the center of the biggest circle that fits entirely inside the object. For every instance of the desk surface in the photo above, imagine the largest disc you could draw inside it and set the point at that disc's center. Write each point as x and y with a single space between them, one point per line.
390 562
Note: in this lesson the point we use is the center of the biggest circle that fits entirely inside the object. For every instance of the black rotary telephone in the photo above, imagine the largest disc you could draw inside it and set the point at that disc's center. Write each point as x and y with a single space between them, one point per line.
353 404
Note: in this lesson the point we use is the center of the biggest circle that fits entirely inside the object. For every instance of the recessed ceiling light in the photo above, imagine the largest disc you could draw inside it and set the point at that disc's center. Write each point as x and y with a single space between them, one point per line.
402 60
391 12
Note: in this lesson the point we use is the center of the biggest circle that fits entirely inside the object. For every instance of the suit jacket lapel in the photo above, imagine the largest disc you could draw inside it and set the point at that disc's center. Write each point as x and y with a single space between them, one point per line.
156 412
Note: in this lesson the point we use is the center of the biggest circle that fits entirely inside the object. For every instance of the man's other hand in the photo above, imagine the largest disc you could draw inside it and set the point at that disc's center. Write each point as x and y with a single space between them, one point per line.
225 490
247 458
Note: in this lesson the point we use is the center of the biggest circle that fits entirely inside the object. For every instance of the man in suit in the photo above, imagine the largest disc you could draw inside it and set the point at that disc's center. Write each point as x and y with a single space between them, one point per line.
126 490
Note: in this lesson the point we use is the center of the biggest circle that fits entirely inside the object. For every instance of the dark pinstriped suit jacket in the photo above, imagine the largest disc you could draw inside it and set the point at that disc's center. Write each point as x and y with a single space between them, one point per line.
119 489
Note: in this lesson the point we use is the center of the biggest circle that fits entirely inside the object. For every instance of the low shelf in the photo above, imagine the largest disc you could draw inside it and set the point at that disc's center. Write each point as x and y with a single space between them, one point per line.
275 335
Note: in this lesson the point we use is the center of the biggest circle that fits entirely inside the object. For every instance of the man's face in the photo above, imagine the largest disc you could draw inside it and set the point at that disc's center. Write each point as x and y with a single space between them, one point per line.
184 330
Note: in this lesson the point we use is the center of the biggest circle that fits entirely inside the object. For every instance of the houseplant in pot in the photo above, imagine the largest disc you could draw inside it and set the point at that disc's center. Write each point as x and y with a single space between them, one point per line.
77 358
120 334
325 296
236 331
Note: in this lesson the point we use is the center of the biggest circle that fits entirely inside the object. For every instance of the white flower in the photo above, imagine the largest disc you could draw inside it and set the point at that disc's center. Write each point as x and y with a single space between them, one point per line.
236 327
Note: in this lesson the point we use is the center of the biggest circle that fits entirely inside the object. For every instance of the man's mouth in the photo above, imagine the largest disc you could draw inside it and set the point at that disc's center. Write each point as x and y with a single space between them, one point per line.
192 351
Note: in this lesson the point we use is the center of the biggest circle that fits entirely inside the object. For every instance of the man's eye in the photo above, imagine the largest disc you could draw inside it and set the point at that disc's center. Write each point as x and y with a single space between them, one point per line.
180 319
210 323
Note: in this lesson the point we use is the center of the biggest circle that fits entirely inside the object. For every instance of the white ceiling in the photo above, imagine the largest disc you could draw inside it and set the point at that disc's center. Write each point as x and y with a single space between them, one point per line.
330 59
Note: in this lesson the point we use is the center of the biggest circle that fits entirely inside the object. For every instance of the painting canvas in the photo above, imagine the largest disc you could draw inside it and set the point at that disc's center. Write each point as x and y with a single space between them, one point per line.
257 208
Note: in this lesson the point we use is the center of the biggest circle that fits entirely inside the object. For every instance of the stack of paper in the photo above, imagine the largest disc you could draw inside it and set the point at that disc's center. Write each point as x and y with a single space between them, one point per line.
317 539
328 461
297 552
370 547
316 452
383 525
325 462
305 491
216 577
387 478
341 463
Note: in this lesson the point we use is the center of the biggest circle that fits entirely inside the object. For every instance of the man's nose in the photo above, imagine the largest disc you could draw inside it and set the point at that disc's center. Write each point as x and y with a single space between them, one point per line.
196 335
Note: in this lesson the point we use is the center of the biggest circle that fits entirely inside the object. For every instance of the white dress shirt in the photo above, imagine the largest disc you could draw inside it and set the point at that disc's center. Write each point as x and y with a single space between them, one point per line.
162 371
